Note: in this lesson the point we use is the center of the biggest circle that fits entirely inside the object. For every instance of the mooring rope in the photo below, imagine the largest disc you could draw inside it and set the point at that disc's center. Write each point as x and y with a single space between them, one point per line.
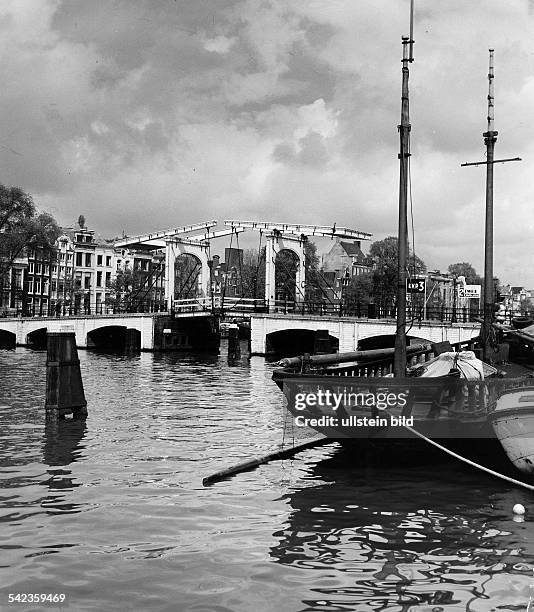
468 461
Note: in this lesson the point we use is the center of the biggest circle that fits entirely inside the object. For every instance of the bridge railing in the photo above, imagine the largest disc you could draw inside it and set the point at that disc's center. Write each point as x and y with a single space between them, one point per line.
242 304
202 304
378 311
198 304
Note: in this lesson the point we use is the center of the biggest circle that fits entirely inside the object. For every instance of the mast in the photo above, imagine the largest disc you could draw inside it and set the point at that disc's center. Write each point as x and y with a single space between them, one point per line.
399 364
490 138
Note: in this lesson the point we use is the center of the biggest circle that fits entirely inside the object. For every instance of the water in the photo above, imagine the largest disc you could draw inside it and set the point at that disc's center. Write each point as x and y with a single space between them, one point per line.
113 514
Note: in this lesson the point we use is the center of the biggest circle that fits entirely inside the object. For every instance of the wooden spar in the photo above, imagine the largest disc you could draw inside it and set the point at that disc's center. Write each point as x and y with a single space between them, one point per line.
345 357
254 463
514 332
490 138
399 364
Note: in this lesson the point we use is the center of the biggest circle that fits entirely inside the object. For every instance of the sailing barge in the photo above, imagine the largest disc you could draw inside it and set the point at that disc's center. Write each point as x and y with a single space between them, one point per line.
419 392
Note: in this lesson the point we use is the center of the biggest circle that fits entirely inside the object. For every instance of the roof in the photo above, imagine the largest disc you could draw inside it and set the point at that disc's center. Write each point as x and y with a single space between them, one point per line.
351 248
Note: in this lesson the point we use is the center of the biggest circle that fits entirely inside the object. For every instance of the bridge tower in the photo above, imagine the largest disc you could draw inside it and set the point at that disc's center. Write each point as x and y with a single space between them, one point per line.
276 242
176 242
291 237
174 247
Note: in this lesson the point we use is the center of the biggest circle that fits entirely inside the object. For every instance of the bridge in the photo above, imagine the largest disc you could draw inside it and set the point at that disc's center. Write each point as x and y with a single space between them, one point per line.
277 237
128 331
270 333
192 322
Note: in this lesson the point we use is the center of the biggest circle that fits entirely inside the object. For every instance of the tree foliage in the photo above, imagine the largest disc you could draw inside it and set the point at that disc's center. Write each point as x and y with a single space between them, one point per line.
127 289
187 269
253 273
384 276
358 293
285 274
467 270
21 226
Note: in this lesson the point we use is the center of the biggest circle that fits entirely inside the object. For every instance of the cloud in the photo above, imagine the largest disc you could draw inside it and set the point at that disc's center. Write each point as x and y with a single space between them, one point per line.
270 109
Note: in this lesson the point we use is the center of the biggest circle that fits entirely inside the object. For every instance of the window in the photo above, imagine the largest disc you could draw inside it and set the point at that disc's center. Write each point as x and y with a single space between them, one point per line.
108 279
54 285
118 264
99 260
79 259
31 267
62 257
46 270
30 286
87 282
108 261
69 256
54 269
88 260
99 279
38 268
38 285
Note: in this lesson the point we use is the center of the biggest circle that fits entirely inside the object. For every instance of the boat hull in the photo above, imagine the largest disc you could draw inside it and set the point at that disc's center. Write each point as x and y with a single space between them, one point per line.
513 423
390 408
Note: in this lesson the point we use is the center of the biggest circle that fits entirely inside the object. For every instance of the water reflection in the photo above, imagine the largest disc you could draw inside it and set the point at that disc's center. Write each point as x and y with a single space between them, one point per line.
62 438
377 546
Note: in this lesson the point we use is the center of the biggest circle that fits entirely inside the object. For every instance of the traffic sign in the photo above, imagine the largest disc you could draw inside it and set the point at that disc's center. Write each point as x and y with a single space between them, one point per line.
469 291
415 285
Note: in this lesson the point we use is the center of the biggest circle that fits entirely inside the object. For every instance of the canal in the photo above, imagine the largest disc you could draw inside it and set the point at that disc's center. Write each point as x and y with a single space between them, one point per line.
112 512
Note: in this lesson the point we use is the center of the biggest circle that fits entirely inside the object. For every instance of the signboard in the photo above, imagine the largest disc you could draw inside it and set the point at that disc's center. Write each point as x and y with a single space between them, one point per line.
415 285
469 291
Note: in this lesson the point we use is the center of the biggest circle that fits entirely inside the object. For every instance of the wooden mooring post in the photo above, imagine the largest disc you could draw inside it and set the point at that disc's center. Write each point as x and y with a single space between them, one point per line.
234 348
64 386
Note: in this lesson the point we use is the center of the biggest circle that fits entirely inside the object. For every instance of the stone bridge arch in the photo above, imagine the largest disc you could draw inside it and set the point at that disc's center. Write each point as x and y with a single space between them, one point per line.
8 339
37 338
350 331
387 341
114 337
292 342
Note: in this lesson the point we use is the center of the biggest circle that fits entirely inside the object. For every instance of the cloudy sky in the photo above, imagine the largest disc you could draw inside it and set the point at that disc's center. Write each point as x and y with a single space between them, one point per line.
148 114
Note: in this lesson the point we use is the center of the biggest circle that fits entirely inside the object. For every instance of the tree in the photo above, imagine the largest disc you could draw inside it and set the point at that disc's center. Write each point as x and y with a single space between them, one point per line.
126 288
253 273
21 226
314 288
384 276
285 275
465 269
358 293
187 269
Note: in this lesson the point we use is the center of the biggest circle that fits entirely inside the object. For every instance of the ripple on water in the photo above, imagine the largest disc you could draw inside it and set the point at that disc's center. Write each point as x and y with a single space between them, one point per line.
113 513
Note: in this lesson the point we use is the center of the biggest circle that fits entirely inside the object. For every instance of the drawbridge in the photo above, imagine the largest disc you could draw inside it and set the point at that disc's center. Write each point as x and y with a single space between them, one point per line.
195 241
